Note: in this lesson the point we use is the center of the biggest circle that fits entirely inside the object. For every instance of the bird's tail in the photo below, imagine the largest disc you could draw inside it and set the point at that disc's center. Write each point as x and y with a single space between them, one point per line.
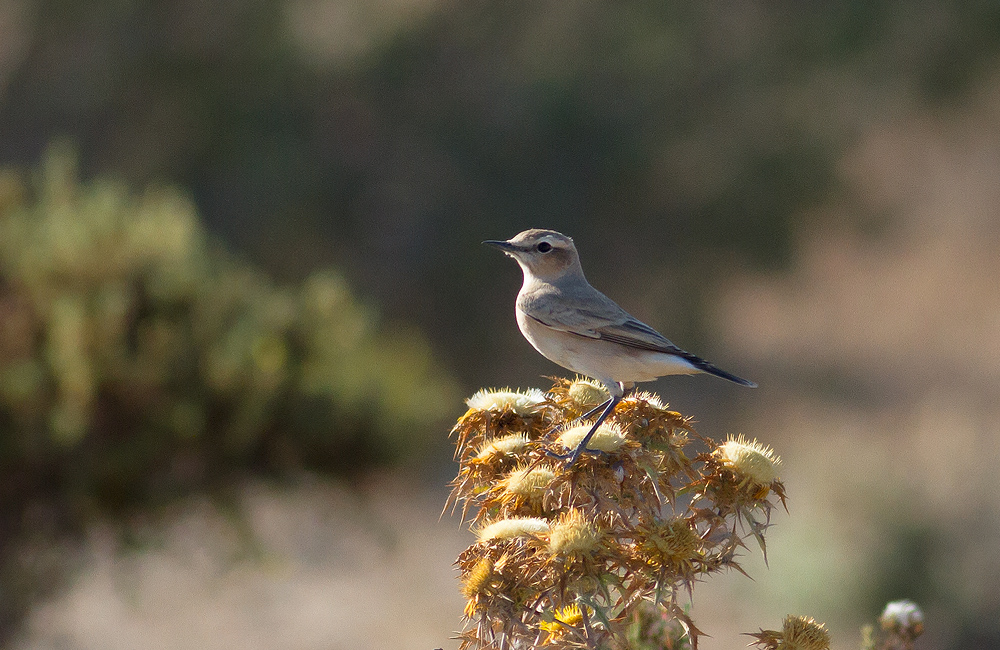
707 367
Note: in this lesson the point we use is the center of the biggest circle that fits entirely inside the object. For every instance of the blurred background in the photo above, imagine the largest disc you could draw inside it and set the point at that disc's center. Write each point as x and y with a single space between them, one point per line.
242 296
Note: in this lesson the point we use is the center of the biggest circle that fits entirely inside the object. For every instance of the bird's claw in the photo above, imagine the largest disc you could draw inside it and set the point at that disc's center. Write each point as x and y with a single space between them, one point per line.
573 455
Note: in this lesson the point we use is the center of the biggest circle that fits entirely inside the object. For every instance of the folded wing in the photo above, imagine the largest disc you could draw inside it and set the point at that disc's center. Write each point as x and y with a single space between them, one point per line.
604 320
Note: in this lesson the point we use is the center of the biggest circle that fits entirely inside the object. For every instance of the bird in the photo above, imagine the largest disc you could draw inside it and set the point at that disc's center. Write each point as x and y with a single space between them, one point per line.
579 328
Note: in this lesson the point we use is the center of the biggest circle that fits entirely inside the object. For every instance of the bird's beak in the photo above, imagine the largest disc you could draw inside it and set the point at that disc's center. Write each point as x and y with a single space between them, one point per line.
505 246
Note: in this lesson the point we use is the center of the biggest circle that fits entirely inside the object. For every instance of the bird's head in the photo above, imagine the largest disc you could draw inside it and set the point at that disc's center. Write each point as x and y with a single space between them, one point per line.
543 254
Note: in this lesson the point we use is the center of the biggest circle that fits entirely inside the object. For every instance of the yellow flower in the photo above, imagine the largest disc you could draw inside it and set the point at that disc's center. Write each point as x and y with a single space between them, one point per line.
750 459
571 616
522 403
514 527
607 438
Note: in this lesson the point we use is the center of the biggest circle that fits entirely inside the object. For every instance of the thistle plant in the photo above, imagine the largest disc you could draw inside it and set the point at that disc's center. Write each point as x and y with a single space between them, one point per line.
601 553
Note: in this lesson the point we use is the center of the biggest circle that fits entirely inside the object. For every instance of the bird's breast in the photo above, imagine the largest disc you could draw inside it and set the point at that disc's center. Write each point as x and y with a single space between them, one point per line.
554 345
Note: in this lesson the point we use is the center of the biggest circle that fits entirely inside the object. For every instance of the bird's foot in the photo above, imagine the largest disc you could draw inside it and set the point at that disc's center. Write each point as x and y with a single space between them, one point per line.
580 419
573 455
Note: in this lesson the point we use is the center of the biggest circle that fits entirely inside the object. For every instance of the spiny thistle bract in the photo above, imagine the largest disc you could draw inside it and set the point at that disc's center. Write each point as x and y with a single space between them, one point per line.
575 557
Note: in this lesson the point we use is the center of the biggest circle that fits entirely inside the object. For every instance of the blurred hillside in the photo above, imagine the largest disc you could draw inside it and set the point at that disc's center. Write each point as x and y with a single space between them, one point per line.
803 193
884 353
677 143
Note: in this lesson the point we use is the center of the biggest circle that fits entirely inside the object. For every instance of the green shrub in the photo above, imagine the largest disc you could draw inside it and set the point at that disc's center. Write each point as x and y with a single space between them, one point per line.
130 342
139 361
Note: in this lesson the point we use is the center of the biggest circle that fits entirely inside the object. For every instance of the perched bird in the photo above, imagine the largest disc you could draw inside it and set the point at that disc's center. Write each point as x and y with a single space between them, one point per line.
578 327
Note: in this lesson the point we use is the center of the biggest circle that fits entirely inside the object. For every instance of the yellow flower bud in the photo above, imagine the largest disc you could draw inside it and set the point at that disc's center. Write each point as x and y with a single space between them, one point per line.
607 438
750 459
522 403
512 445
586 392
514 527
573 533
529 482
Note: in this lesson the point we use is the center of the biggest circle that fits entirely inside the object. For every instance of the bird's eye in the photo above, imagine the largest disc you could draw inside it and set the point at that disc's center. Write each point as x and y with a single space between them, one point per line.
544 247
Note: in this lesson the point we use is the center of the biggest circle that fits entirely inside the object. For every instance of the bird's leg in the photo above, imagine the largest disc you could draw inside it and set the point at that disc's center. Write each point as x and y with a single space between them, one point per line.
603 405
582 447
599 407
608 407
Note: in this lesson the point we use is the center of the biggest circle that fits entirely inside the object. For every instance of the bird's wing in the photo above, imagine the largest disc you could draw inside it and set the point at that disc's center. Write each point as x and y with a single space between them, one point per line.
600 318
635 334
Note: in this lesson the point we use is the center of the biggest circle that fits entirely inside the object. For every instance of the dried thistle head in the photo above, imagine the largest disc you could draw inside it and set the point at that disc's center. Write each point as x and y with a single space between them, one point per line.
477 580
903 616
587 393
578 395
513 527
659 430
521 491
650 417
510 446
529 481
738 476
494 436
797 633
652 626
573 533
522 403
608 438
902 622
749 460
494 458
672 545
